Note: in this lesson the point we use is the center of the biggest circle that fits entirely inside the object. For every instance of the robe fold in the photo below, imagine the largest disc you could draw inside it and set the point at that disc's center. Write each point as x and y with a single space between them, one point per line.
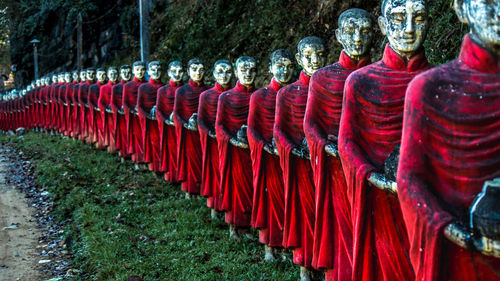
235 164
370 127
168 143
189 155
146 100
93 100
134 134
297 172
450 147
118 128
210 176
105 138
63 105
333 226
83 96
69 108
268 203
76 111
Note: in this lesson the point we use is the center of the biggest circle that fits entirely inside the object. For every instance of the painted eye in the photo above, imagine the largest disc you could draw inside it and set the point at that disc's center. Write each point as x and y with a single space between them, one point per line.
420 18
349 30
398 18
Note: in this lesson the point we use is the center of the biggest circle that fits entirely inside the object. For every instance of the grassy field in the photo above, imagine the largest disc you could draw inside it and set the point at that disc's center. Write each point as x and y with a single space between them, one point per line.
124 222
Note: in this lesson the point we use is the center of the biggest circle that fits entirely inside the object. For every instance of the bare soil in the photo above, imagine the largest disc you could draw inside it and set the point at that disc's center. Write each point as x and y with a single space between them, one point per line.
18 232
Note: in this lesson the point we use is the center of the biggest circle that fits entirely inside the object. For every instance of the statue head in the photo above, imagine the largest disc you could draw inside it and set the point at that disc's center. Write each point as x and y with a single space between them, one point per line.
223 72
154 70
311 54
113 74
405 23
139 69
83 75
246 70
196 70
60 77
91 74
76 76
67 77
54 78
101 75
355 32
175 71
38 83
125 73
281 66
483 18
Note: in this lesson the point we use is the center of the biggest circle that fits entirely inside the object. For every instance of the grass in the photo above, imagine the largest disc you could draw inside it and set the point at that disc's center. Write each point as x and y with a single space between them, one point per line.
124 222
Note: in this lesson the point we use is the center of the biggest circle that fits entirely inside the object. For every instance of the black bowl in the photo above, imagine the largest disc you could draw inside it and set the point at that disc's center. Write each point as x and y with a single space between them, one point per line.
485 211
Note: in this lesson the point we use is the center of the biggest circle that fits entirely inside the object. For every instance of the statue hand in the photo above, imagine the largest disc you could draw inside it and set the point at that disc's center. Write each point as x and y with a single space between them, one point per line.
152 113
271 149
297 152
238 143
459 235
380 181
332 149
97 108
120 110
212 134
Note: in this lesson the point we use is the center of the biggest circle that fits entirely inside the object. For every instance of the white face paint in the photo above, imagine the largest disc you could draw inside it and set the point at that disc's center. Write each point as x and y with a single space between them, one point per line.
76 76
139 71
38 83
223 73
126 74
311 58
54 79
90 75
101 76
483 17
405 23
355 35
282 70
113 75
83 76
60 78
154 71
196 72
175 73
246 71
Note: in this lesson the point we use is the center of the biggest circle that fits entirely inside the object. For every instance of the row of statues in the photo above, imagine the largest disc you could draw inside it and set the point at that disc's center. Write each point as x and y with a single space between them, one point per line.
367 171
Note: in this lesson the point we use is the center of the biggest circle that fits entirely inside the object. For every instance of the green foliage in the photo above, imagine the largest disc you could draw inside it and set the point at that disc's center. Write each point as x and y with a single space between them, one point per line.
124 222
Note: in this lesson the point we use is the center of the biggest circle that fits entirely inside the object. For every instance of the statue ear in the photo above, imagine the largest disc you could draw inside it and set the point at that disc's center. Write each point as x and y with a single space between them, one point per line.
381 24
297 57
337 35
460 10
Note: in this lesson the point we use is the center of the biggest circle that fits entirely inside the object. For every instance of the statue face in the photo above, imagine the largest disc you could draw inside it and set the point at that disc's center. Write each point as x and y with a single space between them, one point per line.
483 17
311 58
83 75
139 71
175 73
246 71
355 34
101 76
90 75
54 79
67 77
38 84
405 23
76 77
282 70
223 73
126 74
196 72
154 71
113 75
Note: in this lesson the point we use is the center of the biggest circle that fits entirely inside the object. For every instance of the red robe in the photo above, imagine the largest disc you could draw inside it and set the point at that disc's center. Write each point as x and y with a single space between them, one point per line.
69 108
94 91
450 147
168 143
146 100
370 127
268 203
210 176
188 142
53 106
118 127
297 172
235 163
83 96
62 107
333 226
76 111
105 138
134 135
44 101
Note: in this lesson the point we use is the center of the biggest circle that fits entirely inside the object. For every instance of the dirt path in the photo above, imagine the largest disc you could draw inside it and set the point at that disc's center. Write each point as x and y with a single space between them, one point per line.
18 232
